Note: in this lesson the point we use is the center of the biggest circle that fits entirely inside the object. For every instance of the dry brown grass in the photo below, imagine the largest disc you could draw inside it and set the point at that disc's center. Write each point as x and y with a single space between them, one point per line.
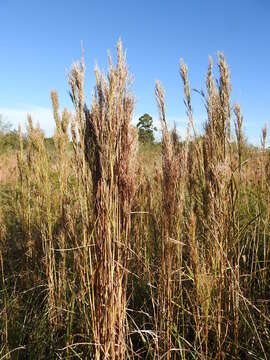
107 253
8 168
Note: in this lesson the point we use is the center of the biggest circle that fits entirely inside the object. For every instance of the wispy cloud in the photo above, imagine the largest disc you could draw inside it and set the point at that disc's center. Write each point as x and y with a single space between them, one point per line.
18 115
44 115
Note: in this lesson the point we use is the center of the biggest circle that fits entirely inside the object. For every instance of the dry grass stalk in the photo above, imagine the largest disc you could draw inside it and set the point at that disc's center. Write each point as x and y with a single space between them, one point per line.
34 183
61 141
109 145
174 167
67 242
4 295
213 187
238 123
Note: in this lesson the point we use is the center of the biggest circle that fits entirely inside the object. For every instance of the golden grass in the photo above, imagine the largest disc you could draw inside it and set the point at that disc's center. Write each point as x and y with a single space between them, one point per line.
8 168
110 251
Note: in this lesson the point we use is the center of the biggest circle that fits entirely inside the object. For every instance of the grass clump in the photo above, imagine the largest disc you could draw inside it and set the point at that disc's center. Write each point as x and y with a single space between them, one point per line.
114 250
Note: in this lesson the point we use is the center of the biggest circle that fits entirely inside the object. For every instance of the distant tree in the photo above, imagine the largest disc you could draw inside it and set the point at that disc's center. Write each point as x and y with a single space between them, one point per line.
8 137
49 143
146 129
5 126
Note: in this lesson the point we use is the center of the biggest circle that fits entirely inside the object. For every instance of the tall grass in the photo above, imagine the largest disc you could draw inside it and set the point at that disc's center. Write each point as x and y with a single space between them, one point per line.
107 252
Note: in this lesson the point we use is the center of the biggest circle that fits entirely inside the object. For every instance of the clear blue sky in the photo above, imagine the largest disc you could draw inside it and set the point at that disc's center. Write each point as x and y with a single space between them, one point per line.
40 39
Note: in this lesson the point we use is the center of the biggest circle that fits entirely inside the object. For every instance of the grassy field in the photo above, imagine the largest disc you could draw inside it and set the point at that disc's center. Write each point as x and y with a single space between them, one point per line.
110 249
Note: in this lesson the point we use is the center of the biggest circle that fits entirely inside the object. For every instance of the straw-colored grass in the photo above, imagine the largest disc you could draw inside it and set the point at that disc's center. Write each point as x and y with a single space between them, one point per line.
114 250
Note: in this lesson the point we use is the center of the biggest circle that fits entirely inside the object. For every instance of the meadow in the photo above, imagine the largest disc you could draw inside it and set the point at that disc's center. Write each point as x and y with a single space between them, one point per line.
112 249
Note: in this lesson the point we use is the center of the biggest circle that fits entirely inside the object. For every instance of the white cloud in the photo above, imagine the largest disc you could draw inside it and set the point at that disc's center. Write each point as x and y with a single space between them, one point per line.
44 115
18 115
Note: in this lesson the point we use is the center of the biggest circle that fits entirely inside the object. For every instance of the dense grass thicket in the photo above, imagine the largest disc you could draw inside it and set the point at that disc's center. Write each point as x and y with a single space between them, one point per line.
110 250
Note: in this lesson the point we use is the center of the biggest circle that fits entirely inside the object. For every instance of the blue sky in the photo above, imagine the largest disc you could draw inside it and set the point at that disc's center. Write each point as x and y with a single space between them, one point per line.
40 39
